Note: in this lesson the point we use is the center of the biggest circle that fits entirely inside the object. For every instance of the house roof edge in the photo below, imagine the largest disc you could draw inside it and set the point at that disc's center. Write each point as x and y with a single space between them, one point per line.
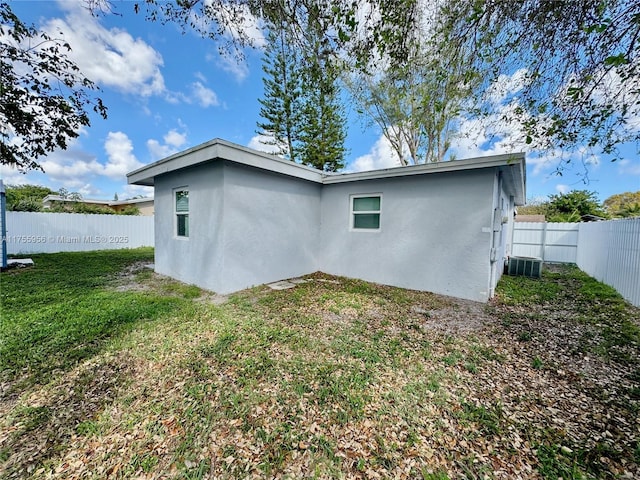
512 165
218 149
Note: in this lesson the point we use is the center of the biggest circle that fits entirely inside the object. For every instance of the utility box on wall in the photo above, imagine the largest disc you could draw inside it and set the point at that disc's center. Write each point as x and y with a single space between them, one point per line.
525 266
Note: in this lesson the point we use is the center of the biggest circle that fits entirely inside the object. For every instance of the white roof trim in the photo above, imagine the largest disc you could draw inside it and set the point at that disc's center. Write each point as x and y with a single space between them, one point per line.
218 149
439 167
511 165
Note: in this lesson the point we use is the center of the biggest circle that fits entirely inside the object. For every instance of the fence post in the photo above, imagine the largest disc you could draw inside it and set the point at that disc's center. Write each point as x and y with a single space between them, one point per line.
544 240
3 220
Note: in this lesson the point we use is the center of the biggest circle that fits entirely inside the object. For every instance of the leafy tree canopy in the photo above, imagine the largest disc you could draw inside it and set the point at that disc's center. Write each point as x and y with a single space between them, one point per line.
43 96
304 119
361 29
417 100
577 87
566 207
26 198
625 204
579 82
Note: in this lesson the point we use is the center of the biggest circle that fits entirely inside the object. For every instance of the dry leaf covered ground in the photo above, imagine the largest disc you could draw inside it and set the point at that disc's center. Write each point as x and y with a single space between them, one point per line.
335 378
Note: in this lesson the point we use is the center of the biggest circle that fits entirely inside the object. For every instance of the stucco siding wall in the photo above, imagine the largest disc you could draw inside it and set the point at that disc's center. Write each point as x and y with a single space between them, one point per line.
272 227
146 208
197 259
435 233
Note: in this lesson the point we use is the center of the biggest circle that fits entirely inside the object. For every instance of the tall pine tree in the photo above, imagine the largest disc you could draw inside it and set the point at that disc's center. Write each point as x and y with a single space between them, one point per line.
301 105
324 130
281 105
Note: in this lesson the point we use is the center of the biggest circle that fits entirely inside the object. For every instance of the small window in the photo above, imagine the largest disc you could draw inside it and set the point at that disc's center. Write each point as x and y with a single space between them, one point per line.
182 212
365 212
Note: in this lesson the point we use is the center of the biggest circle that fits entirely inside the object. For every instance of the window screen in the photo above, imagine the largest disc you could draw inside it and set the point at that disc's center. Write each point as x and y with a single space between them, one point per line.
365 212
182 213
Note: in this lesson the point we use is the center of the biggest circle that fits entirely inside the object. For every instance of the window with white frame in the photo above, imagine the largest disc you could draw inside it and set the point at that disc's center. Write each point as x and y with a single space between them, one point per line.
181 205
365 212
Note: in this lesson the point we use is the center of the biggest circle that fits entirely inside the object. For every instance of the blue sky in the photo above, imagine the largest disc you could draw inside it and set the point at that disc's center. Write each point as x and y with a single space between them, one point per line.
167 91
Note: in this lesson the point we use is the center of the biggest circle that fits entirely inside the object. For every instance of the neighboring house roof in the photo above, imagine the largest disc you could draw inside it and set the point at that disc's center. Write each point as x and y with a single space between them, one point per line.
531 218
511 165
108 203
591 218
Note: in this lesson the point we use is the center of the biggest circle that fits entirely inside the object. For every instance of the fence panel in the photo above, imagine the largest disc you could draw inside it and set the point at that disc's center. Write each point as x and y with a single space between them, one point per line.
35 232
610 252
552 242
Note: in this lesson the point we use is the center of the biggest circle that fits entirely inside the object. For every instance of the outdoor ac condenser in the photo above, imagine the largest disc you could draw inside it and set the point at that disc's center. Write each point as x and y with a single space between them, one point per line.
525 266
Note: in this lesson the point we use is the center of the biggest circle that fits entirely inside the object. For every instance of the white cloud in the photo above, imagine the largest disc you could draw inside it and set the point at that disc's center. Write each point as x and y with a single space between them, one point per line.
71 168
130 191
235 66
157 150
203 95
109 57
88 191
629 167
507 85
381 155
198 94
121 159
79 171
261 143
11 176
239 22
173 140
489 136
561 188
538 164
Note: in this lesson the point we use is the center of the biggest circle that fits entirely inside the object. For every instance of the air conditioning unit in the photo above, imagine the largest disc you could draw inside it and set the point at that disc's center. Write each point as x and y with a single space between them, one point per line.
525 266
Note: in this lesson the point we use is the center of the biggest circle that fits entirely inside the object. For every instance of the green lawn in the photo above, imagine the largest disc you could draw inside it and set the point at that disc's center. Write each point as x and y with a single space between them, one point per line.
109 370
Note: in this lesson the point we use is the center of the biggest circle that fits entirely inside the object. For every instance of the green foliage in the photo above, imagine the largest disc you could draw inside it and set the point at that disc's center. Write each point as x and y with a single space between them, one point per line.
529 291
26 198
593 302
416 99
281 105
323 120
354 32
303 118
578 62
537 363
571 206
623 204
129 210
439 475
71 202
80 207
566 207
29 60
487 418
557 462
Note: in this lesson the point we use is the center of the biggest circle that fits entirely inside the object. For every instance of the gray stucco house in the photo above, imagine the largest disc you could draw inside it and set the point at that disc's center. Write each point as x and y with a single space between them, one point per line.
228 217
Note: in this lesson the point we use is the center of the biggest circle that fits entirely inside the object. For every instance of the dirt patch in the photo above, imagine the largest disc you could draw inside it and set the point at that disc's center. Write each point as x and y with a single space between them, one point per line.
140 277
461 317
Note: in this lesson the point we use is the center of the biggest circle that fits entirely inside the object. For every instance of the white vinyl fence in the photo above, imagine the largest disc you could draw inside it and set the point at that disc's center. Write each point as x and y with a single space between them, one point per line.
552 242
35 232
608 251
